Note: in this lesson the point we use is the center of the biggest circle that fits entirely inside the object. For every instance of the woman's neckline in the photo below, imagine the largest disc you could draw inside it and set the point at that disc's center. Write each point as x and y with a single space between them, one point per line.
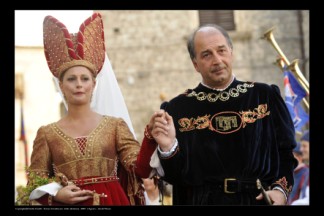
66 134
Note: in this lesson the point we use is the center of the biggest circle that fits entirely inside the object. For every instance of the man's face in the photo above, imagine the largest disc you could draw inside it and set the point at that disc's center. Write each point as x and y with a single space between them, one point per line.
304 148
213 57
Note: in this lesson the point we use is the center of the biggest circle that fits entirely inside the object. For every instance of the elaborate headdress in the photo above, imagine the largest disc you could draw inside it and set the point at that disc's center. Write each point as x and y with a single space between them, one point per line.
87 48
64 50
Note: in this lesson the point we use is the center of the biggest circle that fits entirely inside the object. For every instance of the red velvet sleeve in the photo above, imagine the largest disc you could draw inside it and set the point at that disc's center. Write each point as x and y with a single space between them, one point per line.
143 168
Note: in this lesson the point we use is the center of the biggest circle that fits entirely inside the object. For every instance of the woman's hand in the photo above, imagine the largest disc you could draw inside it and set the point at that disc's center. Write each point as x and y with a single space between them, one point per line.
72 194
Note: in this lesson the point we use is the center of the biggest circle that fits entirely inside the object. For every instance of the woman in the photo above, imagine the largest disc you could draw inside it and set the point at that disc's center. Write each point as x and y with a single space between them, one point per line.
94 158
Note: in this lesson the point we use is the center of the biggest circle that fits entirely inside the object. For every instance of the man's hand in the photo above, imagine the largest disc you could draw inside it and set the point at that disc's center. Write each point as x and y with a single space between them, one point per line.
162 129
276 197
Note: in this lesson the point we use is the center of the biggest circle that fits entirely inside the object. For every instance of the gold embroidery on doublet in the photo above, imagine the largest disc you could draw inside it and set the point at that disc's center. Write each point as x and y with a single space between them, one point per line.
189 124
284 185
257 113
224 122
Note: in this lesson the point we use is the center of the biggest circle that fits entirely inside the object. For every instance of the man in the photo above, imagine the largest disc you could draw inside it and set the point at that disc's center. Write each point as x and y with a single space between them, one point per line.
217 139
304 180
304 147
301 178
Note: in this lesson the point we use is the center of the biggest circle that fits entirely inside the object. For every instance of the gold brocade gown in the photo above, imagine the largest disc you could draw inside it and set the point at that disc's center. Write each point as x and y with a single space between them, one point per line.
104 161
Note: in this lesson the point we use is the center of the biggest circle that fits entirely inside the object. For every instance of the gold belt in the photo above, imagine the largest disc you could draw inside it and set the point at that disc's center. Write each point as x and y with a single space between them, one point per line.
94 180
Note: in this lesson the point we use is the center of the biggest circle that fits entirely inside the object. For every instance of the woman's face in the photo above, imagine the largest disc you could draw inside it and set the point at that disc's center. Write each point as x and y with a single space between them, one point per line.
77 85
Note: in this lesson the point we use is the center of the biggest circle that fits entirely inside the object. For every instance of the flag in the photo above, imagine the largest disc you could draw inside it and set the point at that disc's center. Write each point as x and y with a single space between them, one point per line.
294 94
23 135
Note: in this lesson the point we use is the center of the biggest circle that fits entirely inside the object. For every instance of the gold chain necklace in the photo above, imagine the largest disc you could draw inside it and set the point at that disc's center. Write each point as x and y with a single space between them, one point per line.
224 95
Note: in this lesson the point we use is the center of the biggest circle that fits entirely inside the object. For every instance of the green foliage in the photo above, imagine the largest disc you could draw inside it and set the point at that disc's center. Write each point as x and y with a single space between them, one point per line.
34 181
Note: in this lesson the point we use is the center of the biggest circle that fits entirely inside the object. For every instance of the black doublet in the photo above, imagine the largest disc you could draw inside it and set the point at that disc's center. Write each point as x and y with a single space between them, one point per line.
244 132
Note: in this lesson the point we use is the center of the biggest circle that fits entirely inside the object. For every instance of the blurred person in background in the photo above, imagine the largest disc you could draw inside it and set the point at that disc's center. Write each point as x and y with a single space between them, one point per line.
301 177
304 147
157 191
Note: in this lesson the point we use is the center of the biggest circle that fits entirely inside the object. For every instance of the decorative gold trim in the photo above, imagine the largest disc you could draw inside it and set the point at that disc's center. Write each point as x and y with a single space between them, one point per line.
283 183
74 63
147 134
236 120
223 95
252 116
73 143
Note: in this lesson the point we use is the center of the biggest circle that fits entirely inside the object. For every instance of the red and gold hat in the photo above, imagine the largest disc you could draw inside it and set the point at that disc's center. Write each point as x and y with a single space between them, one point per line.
64 50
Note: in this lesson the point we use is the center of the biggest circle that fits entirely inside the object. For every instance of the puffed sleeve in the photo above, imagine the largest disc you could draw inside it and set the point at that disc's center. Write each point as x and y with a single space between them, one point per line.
41 165
127 147
41 162
285 135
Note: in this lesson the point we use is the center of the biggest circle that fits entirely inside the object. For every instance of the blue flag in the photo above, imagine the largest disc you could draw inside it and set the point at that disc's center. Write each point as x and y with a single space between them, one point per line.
294 94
